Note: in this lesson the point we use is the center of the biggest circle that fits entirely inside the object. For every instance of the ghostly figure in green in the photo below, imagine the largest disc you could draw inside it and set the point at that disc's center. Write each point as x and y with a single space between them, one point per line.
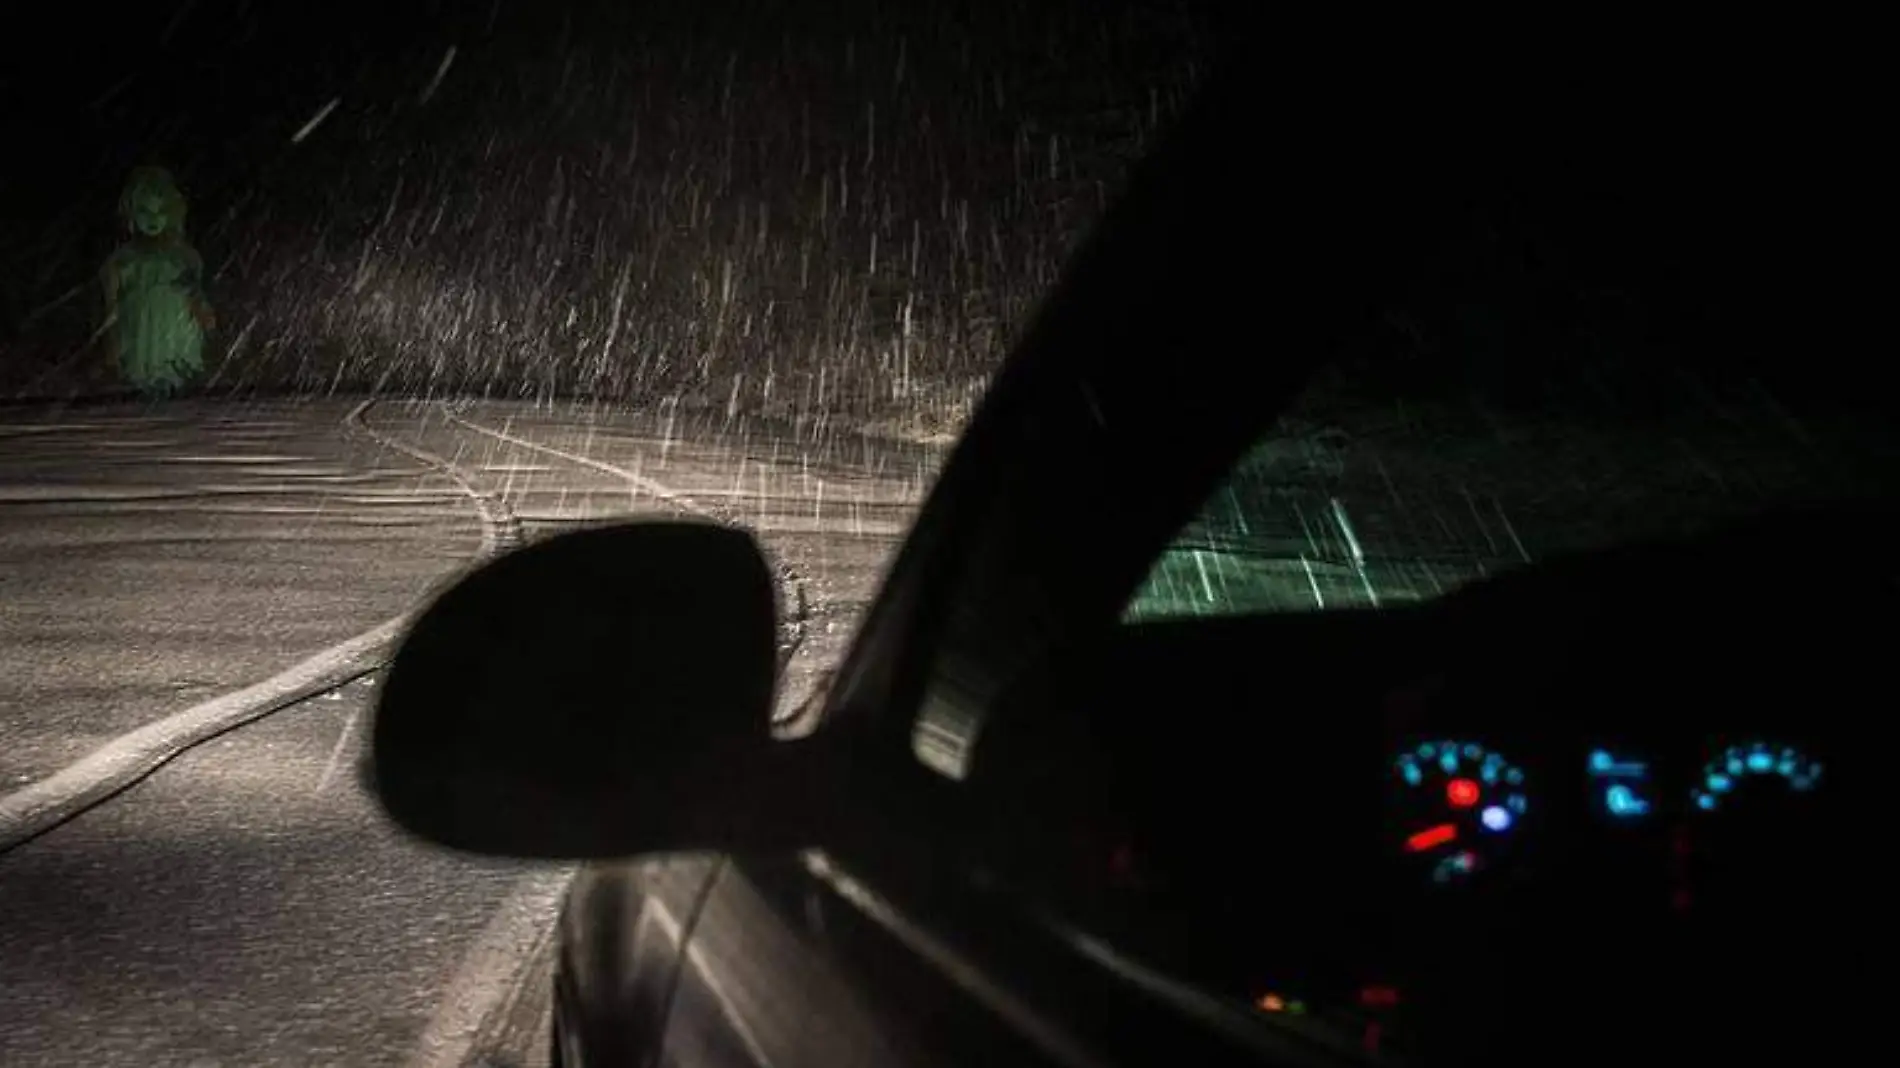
156 313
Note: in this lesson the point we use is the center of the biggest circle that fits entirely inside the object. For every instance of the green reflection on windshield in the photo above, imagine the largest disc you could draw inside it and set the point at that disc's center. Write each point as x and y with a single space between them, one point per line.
1189 582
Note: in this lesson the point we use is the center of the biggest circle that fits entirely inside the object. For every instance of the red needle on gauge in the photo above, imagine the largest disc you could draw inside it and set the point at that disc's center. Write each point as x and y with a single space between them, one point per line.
1431 837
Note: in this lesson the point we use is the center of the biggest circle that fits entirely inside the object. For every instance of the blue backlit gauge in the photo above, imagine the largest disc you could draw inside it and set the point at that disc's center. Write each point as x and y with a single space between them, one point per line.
1623 802
1621 784
1459 803
1737 766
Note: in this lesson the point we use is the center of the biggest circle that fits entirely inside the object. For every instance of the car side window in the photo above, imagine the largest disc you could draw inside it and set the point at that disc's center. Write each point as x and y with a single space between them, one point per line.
1280 535
1507 411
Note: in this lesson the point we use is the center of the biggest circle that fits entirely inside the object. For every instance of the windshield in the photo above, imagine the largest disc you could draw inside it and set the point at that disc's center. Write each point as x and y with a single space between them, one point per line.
1511 410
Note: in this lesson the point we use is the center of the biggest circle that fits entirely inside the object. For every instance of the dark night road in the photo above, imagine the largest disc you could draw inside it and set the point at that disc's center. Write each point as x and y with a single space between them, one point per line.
801 226
248 903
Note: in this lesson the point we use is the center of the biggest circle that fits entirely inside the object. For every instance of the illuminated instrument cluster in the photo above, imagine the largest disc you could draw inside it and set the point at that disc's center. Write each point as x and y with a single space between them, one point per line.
1461 804
1625 788
1747 765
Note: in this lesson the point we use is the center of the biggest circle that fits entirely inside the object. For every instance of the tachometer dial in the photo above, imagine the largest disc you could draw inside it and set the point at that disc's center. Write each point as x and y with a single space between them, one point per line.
1755 840
1740 765
1460 804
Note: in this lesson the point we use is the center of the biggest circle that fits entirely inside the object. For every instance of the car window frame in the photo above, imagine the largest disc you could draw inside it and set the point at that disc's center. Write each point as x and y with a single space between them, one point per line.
1148 290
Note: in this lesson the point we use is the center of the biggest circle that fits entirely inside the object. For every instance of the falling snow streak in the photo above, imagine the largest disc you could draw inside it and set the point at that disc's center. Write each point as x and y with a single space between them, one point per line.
315 120
806 218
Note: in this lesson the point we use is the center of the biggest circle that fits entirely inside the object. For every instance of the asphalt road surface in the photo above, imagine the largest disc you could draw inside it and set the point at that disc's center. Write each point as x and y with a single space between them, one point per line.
189 587
194 600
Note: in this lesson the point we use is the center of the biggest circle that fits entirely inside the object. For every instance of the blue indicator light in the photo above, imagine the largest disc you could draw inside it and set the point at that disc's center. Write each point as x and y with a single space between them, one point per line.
1427 751
1474 752
1759 761
1622 801
1720 783
1413 776
1736 767
1605 766
1514 777
1515 803
1449 761
1489 773
1495 818
1705 802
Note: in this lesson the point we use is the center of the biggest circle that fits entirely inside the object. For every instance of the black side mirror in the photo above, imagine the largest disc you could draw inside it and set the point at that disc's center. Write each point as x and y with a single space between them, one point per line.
599 694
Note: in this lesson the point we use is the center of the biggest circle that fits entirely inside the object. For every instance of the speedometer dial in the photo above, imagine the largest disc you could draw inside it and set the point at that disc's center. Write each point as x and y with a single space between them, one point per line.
1459 806
1758 833
1739 765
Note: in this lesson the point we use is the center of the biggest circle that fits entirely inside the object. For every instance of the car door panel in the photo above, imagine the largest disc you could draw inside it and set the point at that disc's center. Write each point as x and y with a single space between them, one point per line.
620 945
764 976
831 966
742 974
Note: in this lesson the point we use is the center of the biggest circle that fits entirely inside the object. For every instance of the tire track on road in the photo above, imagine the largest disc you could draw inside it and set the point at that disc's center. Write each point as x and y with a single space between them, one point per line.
34 809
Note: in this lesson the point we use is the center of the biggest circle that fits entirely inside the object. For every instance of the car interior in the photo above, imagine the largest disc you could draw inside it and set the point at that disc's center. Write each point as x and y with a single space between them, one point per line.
1601 804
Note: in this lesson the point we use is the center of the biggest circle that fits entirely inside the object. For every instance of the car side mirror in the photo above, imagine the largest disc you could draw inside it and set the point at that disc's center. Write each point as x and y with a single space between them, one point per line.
600 694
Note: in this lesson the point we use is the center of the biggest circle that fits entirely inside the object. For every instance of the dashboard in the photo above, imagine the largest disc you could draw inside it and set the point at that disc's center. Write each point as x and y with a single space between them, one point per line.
1631 884
1667 819
1629 802
1611 799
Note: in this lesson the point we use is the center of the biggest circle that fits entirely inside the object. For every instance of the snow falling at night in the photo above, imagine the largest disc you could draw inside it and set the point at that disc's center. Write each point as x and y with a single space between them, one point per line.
730 205
308 311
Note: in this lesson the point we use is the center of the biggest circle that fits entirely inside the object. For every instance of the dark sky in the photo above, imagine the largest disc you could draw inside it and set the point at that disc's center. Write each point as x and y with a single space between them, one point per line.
697 118
1736 172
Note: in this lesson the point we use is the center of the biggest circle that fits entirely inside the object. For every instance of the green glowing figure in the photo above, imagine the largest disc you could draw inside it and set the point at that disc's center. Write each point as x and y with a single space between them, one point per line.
156 313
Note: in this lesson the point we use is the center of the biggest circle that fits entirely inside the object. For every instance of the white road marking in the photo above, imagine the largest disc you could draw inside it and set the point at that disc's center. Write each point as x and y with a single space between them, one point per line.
487 972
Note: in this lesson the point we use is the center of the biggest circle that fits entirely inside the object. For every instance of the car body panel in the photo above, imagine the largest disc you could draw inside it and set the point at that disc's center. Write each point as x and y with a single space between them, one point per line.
782 969
621 942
